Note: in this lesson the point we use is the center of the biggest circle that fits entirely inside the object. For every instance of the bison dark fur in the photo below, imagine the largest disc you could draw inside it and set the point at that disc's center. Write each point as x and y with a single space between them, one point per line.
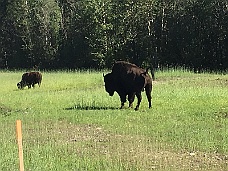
30 79
128 80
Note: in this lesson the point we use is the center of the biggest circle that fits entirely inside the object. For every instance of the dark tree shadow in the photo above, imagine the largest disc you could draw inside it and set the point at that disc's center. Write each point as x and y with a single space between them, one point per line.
86 107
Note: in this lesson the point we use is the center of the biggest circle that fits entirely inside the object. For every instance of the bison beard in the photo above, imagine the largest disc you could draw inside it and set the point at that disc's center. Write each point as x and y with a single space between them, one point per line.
128 80
30 79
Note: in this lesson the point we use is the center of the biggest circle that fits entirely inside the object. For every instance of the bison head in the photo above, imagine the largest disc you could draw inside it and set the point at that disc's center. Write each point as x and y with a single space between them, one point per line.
21 85
109 84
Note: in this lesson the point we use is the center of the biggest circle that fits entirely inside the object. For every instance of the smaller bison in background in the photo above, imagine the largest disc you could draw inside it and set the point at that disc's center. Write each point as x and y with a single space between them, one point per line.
30 79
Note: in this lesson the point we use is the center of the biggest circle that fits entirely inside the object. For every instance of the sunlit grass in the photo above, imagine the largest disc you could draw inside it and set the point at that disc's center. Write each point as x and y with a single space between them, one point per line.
71 123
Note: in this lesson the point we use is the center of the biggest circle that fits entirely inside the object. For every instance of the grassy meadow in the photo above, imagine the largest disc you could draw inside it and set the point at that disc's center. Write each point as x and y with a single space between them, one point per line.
70 123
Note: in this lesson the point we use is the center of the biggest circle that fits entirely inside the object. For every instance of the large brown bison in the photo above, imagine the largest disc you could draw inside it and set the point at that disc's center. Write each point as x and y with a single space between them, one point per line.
128 80
30 79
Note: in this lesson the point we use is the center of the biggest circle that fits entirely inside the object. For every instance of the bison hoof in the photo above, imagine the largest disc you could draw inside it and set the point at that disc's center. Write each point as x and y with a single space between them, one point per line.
130 106
136 108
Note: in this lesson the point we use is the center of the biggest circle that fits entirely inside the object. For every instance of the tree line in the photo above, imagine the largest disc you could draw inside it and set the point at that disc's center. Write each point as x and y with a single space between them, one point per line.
55 34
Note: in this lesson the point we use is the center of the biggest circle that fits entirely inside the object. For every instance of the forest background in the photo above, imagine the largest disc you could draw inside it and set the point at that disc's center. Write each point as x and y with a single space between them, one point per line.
57 34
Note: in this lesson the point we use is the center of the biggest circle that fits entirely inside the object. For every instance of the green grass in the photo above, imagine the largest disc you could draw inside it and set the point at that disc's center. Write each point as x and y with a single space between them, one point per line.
70 123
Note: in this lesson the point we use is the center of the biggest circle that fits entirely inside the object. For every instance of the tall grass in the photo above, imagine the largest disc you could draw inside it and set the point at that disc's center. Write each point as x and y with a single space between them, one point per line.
70 123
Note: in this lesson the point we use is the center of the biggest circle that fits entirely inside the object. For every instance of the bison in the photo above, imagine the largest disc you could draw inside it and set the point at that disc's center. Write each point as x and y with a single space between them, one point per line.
128 80
30 79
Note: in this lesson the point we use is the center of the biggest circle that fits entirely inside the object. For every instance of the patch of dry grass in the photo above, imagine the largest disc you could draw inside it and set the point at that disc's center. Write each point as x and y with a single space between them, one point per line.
139 151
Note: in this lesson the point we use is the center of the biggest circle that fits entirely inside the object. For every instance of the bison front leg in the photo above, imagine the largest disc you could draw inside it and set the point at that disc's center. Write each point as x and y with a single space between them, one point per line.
131 98
123 100
139 96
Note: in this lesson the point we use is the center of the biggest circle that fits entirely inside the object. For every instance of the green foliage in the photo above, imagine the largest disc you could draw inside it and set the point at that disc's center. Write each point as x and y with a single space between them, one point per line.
94 33
45 18
70 123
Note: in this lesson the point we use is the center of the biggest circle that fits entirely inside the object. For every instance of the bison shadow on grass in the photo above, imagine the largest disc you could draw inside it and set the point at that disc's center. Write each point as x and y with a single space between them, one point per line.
87 107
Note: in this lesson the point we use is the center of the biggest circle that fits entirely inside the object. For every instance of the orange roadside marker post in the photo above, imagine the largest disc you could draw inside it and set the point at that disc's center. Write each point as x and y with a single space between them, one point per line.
19 141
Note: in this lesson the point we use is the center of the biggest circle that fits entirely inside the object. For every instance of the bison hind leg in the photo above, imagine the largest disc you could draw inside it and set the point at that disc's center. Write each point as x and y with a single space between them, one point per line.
122 105
139 96
123 100
148 94
131 98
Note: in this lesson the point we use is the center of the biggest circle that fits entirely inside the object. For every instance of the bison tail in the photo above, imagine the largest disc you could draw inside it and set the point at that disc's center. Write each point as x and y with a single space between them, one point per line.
152 73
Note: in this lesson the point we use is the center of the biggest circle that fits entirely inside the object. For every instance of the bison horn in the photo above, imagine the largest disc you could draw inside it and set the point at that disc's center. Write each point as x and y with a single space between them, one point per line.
103 75
147 70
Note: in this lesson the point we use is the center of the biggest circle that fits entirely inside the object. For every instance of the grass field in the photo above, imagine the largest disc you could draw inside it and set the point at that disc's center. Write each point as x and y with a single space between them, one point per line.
70 123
